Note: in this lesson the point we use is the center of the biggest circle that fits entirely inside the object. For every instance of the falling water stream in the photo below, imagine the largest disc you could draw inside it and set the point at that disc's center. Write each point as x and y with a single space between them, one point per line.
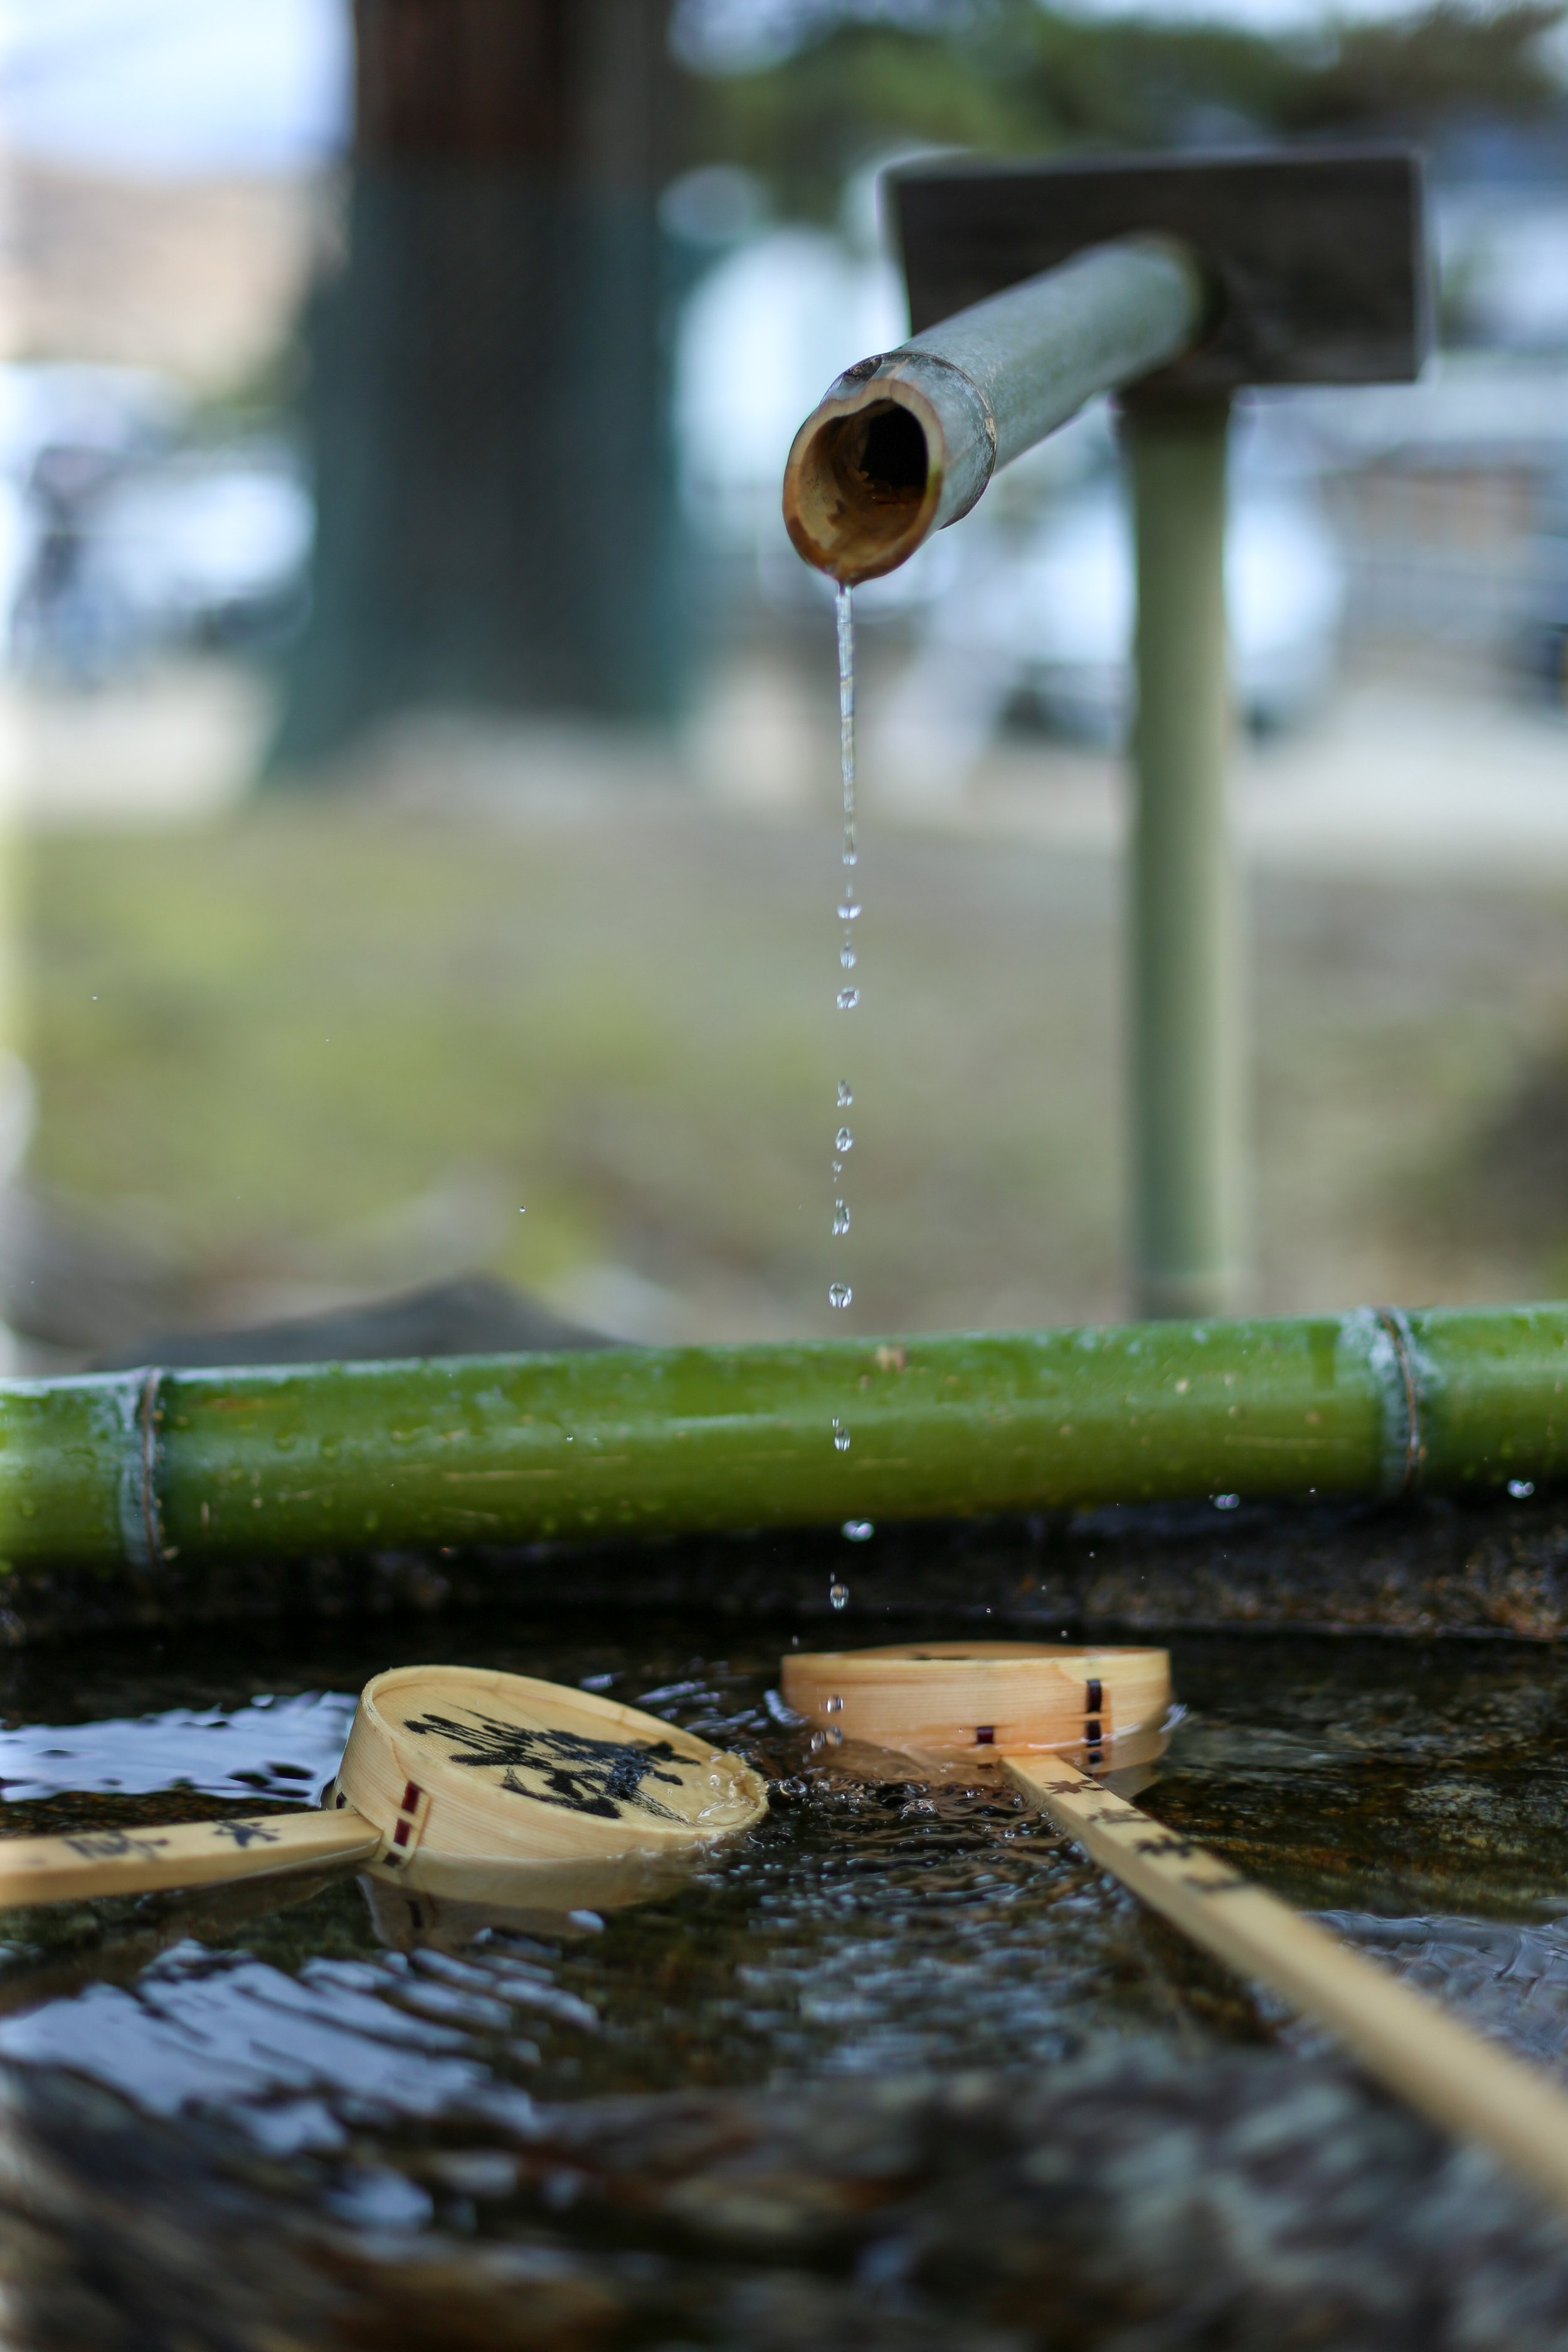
846 998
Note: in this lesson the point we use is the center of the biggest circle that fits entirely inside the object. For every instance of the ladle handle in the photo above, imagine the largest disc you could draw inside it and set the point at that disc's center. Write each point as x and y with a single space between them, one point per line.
1465 2085
191 1853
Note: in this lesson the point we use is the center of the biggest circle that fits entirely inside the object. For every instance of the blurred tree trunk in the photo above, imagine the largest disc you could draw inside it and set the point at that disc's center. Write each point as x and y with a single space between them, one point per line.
488 393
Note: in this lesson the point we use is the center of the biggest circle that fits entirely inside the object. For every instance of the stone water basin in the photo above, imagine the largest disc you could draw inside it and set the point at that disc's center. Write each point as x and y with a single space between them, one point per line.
896 2070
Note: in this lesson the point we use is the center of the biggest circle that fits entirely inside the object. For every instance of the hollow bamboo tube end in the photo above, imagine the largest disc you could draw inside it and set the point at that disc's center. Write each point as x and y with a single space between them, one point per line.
863 477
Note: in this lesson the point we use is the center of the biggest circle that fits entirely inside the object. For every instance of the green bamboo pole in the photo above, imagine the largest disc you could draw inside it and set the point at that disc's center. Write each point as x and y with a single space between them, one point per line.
1185 1056
140 1469
904 443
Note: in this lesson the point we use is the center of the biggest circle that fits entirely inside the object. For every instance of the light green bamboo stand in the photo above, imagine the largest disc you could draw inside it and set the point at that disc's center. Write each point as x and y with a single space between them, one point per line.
1185 1048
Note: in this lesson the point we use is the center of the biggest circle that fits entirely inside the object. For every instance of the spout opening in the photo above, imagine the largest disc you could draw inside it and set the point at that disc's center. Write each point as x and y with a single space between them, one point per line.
863 482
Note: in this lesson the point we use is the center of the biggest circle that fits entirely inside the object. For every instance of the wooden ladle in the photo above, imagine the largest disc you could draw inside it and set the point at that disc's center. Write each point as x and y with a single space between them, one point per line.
955 1695
451 1776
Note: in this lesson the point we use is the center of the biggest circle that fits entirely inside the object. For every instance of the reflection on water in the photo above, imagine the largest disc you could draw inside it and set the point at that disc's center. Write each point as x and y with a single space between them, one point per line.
1510 1981
863 1934
286 1746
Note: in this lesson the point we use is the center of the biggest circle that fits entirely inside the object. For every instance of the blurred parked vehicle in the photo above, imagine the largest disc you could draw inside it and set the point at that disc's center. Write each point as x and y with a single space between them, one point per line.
1546 617
1070 608
1041 611
208 546
122 538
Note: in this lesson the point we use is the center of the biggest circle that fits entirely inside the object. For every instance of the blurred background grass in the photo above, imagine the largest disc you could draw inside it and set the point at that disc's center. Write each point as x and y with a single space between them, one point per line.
306 1054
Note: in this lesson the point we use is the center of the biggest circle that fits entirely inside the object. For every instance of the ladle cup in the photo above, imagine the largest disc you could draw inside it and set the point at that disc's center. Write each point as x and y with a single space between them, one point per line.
455 1778
907 1694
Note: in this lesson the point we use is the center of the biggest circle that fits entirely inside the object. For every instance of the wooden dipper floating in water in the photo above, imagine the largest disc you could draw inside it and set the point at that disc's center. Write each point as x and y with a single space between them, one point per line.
1465 2085
982 1700
451 1774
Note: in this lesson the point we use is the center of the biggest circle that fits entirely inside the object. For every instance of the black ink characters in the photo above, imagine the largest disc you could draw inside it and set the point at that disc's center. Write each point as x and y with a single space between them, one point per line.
584 1775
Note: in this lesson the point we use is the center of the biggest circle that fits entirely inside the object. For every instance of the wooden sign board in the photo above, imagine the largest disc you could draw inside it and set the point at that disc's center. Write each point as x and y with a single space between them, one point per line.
1317 257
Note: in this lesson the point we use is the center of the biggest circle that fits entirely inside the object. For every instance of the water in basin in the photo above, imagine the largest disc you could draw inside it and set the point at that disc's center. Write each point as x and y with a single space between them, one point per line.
669 2100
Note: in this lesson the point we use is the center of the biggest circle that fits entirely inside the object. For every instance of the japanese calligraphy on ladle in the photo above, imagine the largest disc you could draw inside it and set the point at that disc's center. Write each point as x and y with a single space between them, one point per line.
603 1777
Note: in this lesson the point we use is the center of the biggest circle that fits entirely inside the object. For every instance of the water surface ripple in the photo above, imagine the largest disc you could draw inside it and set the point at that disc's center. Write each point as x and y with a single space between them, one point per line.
867 1932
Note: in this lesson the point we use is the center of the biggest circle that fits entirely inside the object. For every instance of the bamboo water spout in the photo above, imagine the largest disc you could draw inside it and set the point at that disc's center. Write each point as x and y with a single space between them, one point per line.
141 1469
904 443
1175 280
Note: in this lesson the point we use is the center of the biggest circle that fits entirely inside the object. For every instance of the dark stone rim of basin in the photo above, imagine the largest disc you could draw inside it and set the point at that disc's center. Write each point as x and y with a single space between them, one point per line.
1135 2198
1438 1566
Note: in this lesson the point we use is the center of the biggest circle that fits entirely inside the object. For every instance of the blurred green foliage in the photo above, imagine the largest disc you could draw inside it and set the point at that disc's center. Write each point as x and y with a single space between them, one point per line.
1014 78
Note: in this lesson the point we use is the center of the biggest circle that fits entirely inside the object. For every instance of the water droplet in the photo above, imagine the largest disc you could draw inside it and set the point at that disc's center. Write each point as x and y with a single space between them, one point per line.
839 1167
845 1095
840 1438
847 999
1521 1488
840 1217
849 910
839 1594
818 1742
847 956
839 1294
835 1737
1228 1502
843 1141
858 1531
834 1705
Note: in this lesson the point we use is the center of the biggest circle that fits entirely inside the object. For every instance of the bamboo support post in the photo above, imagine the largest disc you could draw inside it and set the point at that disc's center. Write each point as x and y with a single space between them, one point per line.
1185 1054
143 1470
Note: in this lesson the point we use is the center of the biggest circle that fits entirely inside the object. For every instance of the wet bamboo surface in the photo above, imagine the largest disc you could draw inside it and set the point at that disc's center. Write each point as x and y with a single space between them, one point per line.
902 2071
138 1471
